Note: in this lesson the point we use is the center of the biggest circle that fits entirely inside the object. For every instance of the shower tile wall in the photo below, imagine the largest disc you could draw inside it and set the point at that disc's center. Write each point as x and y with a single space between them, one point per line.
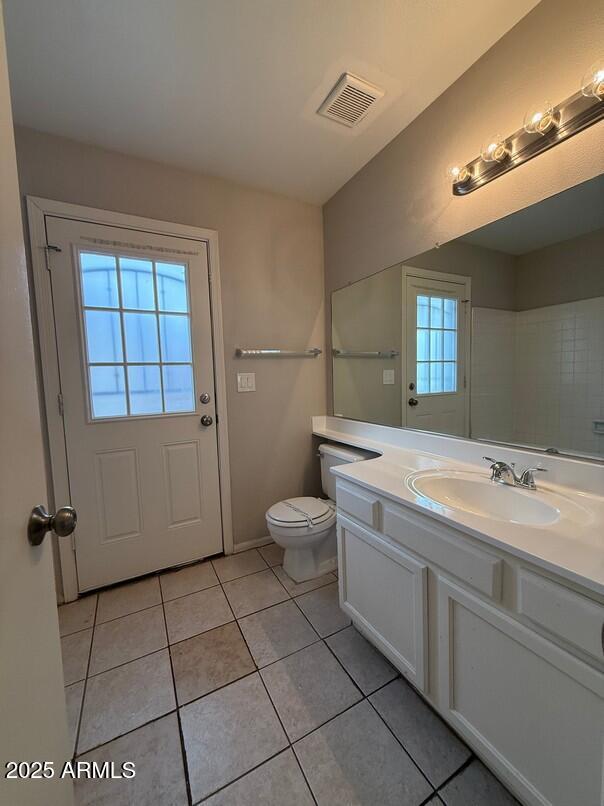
538 375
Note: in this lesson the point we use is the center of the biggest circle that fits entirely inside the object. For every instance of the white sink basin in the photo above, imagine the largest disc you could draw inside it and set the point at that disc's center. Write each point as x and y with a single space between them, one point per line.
475 493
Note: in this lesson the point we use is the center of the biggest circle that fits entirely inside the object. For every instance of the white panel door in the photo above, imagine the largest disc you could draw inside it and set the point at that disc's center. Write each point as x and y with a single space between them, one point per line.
33 724
134 341
435 393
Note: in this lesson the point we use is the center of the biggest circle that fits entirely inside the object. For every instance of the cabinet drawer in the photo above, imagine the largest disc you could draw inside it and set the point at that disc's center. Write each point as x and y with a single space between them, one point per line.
481 570
361 504
562 612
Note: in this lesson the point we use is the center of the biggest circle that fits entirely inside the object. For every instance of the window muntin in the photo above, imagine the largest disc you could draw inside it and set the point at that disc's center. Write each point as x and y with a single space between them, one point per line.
436 334
137 326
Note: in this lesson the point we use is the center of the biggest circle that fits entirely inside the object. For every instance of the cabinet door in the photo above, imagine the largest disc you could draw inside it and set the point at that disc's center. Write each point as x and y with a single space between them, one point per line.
535 711
384 591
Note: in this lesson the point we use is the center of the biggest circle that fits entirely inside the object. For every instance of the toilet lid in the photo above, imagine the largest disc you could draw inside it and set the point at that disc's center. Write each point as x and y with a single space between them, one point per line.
300 512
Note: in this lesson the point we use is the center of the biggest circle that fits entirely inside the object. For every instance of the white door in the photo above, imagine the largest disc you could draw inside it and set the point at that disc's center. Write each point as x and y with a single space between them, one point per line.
436 390
33 724
134 342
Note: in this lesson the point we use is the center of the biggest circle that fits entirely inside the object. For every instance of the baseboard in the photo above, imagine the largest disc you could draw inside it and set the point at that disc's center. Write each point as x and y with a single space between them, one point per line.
252 544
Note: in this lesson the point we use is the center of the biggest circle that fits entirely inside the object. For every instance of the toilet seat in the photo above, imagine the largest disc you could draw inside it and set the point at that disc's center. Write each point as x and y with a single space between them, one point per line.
302 513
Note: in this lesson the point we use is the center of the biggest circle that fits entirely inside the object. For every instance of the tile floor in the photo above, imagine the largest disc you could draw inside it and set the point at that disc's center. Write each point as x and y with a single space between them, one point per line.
227 683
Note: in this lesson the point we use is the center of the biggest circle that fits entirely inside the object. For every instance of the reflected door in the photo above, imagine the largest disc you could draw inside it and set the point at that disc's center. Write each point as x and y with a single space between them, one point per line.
436 391
133 327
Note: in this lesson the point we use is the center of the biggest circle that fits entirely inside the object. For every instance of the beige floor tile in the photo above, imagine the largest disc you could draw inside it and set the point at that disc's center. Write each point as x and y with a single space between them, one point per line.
208 661
75 650
156 751
308 688
238 565
278 782
254 592
125 698
428 740
128 598
73 702
187 580
476 786
272 554
278 631
298 588
368 668
196 613
354 760
78 615
322 609
126 638
228 733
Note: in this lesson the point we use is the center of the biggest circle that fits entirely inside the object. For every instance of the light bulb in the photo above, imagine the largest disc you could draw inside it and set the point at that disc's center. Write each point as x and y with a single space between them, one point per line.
593 81
458 173
495 149
541 119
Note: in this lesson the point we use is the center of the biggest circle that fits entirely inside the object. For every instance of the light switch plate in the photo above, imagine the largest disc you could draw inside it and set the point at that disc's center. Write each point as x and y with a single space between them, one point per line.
246 381
388 377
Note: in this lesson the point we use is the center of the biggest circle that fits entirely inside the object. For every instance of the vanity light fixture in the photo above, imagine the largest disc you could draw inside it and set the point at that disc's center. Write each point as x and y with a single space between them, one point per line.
544 126
541 119
495 149
593 81
458 173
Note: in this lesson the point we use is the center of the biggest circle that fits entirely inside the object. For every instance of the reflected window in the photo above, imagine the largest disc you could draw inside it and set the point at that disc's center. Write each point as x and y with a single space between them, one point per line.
436 338
137 326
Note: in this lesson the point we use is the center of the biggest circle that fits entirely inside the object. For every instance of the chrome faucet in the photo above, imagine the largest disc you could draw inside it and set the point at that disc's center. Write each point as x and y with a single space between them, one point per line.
503 473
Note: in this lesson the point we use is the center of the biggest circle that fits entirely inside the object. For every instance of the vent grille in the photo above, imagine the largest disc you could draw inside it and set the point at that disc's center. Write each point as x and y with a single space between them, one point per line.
350 100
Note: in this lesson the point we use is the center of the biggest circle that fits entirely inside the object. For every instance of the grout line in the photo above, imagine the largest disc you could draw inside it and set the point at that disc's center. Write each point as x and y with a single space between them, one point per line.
79 725
414 762
312 590
126 733
457 772
178 719
126 662
239 777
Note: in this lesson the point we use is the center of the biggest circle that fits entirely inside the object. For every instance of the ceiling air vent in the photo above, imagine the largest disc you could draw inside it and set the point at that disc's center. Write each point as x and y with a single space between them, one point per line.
350 100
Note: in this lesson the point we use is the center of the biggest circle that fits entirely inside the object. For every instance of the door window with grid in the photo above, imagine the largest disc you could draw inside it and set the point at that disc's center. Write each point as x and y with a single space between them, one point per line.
436 345
137 327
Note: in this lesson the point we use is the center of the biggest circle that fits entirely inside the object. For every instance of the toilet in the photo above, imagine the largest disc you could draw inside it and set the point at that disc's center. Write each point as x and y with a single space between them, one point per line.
306 527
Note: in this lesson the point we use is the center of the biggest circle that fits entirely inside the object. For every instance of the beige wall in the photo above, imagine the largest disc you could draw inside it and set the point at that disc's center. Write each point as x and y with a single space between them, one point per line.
399 205
493 273
367 316
271 261
563 272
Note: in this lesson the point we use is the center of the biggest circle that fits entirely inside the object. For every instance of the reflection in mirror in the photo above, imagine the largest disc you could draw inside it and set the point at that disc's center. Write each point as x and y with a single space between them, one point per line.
498 335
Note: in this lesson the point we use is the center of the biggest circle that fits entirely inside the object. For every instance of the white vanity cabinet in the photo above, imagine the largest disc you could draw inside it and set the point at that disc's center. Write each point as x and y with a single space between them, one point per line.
510 656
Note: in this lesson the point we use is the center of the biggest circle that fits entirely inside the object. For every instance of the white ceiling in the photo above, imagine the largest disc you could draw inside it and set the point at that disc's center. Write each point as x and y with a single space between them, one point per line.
231 87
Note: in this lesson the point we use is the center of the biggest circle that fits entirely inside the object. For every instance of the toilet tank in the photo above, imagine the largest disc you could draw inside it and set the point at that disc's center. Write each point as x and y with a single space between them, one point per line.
332 455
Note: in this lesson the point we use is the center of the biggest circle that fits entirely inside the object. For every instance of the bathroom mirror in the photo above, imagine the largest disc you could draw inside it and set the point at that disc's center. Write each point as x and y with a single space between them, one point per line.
497 335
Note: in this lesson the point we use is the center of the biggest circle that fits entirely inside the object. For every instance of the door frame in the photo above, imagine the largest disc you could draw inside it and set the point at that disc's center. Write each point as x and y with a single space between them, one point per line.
37 209
461 279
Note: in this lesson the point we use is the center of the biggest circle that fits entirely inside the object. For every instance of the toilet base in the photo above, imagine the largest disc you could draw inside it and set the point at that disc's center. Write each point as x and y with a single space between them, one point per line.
310 562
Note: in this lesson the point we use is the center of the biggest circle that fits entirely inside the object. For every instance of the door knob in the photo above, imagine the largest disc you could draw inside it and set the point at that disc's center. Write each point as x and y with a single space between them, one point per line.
206 420
413 401
62 523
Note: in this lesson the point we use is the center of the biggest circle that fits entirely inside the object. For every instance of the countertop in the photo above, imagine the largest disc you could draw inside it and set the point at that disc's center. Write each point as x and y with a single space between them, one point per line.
570 548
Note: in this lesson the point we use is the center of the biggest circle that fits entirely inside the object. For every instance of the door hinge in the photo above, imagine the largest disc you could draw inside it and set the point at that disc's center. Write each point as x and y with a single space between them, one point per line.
60 405
47 249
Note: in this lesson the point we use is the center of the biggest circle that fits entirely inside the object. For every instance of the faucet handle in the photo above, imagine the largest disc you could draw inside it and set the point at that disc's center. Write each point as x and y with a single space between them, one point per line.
527 480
